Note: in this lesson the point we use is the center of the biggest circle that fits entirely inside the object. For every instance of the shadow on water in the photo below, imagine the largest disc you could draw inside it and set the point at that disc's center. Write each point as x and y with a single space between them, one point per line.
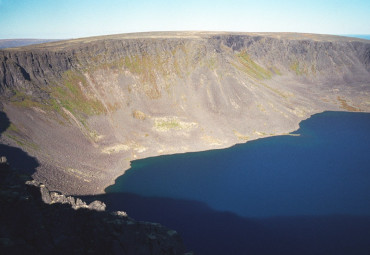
206 231
209 231
17 158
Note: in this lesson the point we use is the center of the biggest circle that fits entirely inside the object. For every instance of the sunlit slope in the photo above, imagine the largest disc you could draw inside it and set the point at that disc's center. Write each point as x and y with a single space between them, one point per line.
87 107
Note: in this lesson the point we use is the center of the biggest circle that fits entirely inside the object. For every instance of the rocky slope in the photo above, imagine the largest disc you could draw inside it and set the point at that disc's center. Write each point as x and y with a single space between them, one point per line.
29 226
87 107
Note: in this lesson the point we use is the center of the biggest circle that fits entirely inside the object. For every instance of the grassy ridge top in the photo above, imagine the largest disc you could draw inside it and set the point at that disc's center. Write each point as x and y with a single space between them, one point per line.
190 35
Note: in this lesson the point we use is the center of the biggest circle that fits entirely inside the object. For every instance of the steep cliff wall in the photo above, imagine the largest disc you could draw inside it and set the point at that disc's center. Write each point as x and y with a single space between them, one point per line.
320 56
87 107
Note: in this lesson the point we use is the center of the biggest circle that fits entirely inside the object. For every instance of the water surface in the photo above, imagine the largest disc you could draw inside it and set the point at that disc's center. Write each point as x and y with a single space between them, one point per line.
325 170
306 194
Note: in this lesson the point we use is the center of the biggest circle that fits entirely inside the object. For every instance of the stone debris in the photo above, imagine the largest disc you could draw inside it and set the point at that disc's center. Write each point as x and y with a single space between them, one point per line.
120 213
139 115
3 160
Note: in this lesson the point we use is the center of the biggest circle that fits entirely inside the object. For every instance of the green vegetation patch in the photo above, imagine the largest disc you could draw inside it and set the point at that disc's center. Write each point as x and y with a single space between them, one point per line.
147 67
12 128
21 99
167 124
210 62
172 123
71 96
15 134
298 68
276 70
22 142
68 94
276 91
252 68
150 68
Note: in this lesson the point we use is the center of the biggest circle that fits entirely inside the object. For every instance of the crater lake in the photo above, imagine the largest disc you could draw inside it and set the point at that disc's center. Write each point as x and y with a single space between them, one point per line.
307 192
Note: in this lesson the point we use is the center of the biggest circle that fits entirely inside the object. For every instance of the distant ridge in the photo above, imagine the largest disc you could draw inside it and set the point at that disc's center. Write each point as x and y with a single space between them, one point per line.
11 43
367 37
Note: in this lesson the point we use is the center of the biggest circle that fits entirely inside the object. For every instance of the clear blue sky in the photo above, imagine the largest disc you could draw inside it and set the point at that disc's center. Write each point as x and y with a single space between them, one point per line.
80 18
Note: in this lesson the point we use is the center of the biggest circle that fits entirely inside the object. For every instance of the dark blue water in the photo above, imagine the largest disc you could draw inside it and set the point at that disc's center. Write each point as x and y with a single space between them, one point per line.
308 193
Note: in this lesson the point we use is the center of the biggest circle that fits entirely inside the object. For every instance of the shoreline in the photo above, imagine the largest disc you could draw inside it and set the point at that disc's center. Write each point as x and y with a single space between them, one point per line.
220 148
228 147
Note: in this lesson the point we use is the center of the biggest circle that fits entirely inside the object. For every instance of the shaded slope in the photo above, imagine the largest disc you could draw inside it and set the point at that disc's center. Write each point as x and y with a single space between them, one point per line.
208 231
30 226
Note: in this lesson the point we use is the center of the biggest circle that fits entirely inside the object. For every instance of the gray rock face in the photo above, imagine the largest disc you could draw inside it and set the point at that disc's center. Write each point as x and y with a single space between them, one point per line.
85 108
333 58
52 197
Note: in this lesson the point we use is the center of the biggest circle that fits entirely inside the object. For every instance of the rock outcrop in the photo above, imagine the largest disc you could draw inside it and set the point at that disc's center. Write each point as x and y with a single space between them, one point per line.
52 197
29 226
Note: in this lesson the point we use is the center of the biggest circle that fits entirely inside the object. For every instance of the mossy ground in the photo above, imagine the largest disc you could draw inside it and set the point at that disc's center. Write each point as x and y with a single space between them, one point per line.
22 99
252 68
168 124
71 97
15 134
300 68
66 93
